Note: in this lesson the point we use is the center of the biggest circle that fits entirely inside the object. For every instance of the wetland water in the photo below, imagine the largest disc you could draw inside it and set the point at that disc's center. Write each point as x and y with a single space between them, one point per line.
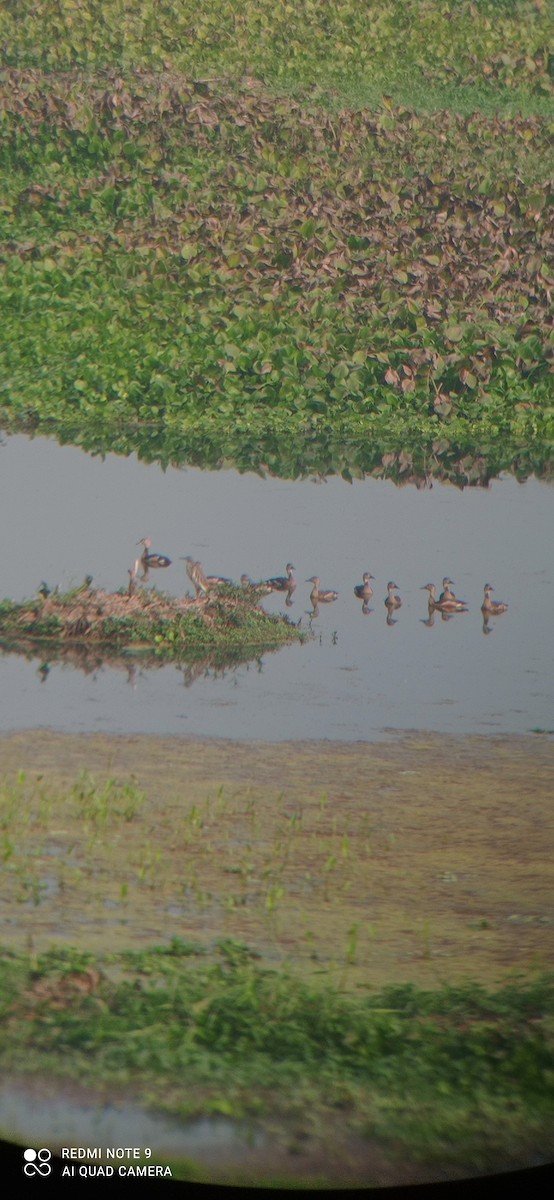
70 514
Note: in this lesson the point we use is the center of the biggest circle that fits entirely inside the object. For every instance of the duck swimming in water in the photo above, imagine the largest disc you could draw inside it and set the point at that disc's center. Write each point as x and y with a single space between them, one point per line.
447 593
282 583
364 591
492 608
445 604
392 600
318 595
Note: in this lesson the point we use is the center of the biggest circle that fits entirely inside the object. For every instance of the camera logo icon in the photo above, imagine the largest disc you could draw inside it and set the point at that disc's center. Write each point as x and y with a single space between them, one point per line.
37 1162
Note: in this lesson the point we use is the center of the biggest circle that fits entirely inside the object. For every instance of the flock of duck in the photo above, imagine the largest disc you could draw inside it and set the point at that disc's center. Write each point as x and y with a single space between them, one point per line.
447 603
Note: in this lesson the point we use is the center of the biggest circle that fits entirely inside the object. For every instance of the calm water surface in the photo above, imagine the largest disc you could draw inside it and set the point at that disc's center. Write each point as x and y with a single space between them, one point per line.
67 514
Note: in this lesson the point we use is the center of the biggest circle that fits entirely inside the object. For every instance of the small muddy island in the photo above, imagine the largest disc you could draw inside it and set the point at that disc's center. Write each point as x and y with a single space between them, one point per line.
224 623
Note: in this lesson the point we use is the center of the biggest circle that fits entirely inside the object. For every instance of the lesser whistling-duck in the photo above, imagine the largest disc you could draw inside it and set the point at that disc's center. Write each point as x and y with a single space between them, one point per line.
282 583
364 591
448 603
392 600
493 607
320 595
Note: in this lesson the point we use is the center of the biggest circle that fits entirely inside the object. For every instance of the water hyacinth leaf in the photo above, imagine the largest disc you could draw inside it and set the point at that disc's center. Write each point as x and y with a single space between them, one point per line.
454 333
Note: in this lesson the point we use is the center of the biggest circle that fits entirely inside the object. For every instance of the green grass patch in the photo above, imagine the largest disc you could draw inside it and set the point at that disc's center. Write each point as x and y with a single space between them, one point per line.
460 1076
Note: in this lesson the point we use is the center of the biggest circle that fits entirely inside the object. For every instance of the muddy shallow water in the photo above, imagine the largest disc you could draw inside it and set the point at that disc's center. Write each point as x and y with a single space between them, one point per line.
438 851
359 678
218 1149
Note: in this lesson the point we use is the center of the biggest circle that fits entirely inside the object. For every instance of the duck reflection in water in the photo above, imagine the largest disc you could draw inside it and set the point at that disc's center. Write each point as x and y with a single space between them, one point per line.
429 621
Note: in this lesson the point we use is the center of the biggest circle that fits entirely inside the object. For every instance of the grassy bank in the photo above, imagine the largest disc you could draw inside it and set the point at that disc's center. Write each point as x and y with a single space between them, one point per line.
456 1078
224 272
376 951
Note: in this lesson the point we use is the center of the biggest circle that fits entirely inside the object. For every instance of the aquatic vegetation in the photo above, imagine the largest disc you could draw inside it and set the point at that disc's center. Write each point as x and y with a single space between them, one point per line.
212 272
493 53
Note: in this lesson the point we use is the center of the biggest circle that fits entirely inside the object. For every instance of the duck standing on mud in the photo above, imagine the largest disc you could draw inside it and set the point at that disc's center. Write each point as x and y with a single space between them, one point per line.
201 581
261 588
132 573
197 575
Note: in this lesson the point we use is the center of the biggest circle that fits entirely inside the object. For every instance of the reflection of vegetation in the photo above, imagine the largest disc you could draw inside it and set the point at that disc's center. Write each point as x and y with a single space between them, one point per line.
400 458
89 627
210 273
456 1077
196 662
